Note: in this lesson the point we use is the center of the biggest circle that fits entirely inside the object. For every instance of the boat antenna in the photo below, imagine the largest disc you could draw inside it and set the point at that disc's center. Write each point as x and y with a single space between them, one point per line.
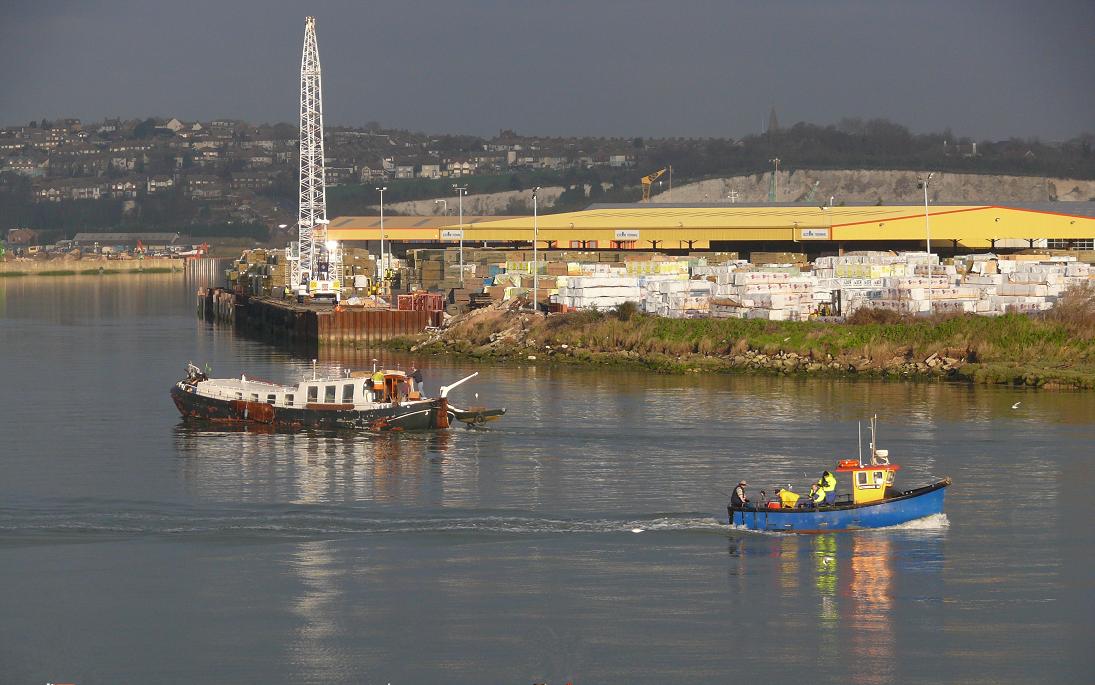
860 442
374 365
313 369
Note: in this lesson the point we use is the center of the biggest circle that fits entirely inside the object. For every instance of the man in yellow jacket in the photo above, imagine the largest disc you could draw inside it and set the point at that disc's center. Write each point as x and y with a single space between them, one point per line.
788 499
827 486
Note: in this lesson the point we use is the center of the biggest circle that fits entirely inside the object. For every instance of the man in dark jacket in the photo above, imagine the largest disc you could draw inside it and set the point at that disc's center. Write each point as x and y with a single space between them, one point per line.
416 379
738 499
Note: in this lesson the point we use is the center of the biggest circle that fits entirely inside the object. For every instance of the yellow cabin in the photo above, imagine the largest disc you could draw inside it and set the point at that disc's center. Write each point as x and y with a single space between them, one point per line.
870 482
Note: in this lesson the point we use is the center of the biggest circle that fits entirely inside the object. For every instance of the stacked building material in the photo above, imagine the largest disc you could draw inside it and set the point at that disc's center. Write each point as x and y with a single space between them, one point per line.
598 291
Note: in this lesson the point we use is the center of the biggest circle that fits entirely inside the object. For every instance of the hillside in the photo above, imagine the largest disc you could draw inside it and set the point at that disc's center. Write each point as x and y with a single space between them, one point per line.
892 187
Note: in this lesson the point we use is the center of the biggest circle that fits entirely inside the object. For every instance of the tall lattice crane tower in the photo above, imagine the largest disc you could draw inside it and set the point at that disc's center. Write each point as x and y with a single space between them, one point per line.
317 266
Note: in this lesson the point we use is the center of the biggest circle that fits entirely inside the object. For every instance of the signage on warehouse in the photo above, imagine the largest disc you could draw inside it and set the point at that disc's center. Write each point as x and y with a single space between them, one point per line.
452 234
627 235
814 234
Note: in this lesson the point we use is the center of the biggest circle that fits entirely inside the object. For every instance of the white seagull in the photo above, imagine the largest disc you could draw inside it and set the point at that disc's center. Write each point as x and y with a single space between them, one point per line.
1016 405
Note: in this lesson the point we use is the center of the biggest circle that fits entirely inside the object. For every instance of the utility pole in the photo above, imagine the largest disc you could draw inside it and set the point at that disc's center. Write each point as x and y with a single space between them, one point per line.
535 255
380 272
772 194
461 191
928 236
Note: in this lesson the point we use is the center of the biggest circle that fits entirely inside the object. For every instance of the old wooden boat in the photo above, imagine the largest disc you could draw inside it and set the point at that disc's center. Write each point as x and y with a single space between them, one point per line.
378 401
873 502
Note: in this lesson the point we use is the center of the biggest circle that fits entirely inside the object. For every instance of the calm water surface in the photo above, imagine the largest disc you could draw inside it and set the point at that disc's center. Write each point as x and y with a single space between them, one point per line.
135 548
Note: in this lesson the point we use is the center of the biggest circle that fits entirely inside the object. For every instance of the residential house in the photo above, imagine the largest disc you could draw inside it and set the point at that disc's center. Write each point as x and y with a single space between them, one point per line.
60 190
460 167
337 175
159 184
252 180
126 187
204 186
430 170
35 164
372 173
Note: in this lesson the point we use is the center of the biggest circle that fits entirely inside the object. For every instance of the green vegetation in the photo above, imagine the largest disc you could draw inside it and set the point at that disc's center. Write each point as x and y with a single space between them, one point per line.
1057 349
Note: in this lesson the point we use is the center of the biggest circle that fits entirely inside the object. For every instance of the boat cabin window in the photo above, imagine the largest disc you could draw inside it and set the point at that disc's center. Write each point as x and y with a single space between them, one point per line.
254 397
313 393
329 394
889 477
878 476
348 393
289 400
270 399
366 388
861 478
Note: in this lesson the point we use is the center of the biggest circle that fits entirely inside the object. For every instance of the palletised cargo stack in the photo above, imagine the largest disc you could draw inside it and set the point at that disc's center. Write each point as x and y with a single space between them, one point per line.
598 291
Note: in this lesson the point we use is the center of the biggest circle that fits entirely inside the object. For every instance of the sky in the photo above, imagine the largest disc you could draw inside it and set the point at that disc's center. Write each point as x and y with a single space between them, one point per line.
986 69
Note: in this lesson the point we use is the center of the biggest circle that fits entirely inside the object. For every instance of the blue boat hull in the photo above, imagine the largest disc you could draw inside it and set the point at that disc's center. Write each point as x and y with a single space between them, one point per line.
892 511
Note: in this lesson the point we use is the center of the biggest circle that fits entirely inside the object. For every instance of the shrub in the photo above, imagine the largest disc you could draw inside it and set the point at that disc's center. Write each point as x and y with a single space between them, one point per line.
625 310
1075 310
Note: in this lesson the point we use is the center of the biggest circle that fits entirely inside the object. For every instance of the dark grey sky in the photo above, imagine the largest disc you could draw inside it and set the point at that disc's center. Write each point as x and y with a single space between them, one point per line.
672 67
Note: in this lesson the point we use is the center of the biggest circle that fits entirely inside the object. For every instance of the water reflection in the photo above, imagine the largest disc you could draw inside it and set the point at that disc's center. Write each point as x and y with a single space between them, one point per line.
870 592
308 467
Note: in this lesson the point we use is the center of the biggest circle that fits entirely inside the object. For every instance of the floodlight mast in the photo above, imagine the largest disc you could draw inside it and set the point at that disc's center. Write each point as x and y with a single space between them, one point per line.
312 217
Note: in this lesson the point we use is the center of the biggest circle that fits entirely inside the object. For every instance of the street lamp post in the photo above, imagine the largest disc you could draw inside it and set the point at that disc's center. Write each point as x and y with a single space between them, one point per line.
380 264
535 254
928 236
461 191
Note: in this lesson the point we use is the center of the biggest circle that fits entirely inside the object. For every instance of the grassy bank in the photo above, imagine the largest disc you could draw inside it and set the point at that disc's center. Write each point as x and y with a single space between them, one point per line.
1056 350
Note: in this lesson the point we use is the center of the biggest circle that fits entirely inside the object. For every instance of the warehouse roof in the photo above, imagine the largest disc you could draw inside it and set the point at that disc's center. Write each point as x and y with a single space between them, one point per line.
700 224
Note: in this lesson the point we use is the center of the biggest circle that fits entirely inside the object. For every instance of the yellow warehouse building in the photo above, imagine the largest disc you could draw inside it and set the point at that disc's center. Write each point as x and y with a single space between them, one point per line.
812 228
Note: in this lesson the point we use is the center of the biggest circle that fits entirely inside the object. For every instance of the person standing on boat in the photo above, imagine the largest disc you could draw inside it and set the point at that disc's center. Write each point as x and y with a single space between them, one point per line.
738 499
416 379
827 485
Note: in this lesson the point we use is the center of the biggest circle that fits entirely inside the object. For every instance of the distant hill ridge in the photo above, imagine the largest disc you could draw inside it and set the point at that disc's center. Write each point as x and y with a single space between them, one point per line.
889 186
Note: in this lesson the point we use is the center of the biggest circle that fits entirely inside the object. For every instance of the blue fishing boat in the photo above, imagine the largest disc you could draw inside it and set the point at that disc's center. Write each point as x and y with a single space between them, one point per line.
873 502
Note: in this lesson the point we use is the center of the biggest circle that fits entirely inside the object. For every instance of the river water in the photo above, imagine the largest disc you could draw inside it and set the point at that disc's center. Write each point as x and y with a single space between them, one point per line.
135 548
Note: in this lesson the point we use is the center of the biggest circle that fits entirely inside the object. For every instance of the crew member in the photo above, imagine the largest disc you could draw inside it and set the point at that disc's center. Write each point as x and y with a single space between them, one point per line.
416 379
827 483
738 499
817 495
788 498
378 385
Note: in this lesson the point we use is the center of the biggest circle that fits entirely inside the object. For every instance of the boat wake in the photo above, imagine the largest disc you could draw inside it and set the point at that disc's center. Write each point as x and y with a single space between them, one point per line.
312 521
935 522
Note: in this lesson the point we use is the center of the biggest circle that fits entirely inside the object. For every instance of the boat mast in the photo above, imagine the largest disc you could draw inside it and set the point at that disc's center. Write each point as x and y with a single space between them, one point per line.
859 441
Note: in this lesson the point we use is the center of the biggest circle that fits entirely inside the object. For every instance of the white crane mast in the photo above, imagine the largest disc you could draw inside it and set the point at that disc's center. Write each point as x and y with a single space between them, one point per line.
318 267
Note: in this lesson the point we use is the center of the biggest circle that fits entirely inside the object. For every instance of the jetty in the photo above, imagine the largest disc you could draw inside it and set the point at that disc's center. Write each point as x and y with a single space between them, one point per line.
287 322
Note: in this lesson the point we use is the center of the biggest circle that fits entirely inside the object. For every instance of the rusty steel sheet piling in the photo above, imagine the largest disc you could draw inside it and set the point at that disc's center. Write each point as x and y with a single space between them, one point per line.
283 321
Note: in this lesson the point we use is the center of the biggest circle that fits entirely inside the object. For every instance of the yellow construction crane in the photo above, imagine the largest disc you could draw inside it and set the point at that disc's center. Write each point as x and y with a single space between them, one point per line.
648 181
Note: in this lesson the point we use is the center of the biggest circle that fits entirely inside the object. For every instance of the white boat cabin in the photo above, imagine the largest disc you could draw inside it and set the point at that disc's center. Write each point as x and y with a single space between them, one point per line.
360 390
